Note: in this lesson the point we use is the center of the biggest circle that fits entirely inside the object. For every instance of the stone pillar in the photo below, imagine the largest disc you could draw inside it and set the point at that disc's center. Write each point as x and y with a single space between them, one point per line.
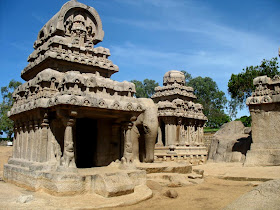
25 140
15 142
20 141
51 146
68 158
44 139
170 131
181 132
159 138
36 141
128 142
30 141
191 134
200 134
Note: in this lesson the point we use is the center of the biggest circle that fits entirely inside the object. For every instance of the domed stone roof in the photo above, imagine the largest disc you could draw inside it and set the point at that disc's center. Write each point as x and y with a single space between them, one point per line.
174 76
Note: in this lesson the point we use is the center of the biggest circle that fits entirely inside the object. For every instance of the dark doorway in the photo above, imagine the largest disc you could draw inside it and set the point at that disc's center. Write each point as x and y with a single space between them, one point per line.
86 143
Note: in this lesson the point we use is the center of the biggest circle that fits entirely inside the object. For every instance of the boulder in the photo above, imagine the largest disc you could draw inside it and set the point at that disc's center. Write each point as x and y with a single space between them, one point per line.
171 193
230 143
265 196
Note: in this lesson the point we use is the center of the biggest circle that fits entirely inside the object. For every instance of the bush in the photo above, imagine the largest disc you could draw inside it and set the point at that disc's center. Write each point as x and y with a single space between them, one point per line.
245 120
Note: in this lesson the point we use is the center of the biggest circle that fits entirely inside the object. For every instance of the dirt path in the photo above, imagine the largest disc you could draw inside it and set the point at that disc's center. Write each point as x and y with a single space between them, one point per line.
5 153
213 193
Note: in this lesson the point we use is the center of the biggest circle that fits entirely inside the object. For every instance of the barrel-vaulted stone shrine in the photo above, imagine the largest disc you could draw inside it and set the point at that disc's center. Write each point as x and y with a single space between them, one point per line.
264 106
69 114
181 121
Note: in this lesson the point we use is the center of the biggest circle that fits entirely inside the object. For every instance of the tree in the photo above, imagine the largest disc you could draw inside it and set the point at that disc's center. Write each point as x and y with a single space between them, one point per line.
6 125
240 86
245 120
213 100
145 89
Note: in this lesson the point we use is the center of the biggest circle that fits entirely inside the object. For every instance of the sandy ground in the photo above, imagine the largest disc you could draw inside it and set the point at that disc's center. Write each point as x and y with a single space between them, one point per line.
213 193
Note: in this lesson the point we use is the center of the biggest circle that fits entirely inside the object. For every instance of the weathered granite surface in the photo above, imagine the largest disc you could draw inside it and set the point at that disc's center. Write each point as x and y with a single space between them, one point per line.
264 106
230 143
265 196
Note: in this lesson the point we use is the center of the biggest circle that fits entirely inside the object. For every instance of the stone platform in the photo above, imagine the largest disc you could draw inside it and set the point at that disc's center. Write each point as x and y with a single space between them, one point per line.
165 167
236 171
107 181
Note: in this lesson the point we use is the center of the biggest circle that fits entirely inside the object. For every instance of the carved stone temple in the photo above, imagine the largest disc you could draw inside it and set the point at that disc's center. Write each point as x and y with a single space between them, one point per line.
70 115
181 121
70 118
264 106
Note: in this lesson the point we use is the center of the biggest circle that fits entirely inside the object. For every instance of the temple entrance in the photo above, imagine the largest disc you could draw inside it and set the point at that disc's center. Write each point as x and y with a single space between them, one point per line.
86 143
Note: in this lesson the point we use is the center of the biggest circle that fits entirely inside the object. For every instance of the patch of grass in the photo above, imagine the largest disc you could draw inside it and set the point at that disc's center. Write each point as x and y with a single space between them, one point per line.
210 130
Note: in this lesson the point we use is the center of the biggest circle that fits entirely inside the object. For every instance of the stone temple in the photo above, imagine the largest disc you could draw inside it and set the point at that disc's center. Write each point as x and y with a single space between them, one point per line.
181 121
264 106
71 118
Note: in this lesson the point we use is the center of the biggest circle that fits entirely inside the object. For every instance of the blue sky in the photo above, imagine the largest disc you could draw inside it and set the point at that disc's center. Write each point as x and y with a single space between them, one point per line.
149 37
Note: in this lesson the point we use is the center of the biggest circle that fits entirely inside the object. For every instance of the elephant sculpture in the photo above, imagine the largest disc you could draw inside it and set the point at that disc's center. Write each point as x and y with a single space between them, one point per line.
144 132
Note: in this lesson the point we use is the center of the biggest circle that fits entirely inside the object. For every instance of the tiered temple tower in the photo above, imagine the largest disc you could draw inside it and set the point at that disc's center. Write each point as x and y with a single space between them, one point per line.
69 114
181 121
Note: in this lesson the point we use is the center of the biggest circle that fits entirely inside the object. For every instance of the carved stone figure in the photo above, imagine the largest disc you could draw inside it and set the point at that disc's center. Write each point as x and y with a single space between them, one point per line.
144 132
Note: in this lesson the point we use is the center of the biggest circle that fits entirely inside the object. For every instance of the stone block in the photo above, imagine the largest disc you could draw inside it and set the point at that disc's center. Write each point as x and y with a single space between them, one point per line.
110 185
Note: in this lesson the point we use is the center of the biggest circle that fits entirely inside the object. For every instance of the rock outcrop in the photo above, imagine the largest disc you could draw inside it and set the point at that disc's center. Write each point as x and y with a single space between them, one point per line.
230 143
265 196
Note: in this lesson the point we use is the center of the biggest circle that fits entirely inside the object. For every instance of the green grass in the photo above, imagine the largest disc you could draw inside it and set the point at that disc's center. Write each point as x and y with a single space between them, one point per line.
210 130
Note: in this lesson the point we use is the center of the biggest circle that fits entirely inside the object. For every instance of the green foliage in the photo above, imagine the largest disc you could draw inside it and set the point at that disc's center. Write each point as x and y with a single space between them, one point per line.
213 100
245 120
240 86
145 89
210 130
6 125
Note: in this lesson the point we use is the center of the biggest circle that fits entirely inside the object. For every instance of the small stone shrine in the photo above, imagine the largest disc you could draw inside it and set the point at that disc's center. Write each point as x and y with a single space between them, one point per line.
70 115
181 121
264 106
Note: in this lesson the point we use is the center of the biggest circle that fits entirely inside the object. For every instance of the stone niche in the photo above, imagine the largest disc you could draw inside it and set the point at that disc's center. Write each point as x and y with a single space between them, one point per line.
264 106
181 121
69 114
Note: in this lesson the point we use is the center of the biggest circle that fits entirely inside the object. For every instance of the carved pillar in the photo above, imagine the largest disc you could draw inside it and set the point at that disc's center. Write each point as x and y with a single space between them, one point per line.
191 134
181 132
44 139
25 140
68 158
159 138
170 131
20 142
51 146
36 141
30 140
200 134
189 131
15 142
127 141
